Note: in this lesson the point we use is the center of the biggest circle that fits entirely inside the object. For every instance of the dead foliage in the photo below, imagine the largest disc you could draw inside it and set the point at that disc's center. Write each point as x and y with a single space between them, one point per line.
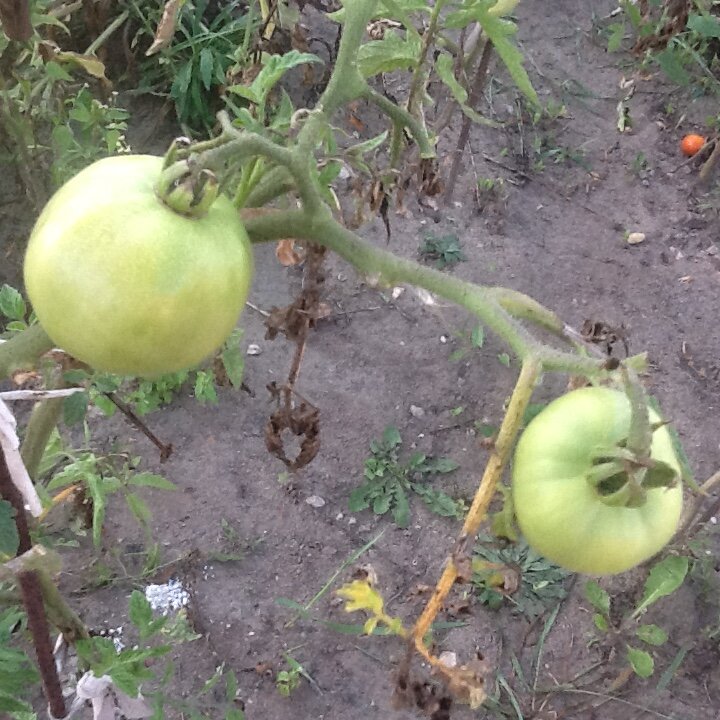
675 14
301 417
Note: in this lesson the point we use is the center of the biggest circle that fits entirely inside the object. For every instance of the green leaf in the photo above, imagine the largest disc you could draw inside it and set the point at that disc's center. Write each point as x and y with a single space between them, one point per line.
477 337
381 504
233 360
205 390
9 539
499 32
140 611
391 436
601 622
652 634
598 597
359 499
617 33
440 465
446 72
74 408
244 92
139 508
12 305
368 145
708 26
393 52
274 68
401 511
641 662
10 704
671 63
504 359
146 479
664 579
207 64
57 72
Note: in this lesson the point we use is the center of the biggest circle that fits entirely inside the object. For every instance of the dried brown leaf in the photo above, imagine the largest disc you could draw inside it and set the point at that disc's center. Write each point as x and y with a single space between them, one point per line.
302 421
166 27
288 254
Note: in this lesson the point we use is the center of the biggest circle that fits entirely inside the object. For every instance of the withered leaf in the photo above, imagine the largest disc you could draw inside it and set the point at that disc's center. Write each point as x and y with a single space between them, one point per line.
166 27
288 254
303 421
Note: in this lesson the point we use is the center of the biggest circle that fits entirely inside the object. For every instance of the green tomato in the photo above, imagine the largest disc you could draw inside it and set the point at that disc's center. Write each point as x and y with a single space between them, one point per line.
125 284
561 514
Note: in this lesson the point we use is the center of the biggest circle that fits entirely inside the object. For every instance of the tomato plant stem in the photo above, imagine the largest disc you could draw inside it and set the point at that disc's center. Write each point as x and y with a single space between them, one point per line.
509 429
22 351
499 308
43 420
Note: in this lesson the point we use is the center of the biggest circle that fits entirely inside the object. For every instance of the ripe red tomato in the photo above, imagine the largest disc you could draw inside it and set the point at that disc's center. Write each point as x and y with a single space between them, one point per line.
125 284
691 144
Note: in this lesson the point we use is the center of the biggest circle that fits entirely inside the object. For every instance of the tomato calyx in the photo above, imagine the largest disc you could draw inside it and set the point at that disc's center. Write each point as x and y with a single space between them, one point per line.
188 192
623 473
623 479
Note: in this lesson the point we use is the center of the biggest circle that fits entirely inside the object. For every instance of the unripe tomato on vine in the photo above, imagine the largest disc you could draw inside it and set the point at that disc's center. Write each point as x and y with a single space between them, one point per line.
574 515
127 284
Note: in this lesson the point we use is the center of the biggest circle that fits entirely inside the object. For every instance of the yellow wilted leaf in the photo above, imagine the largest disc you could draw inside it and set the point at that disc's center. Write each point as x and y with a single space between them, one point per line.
89 63
361 596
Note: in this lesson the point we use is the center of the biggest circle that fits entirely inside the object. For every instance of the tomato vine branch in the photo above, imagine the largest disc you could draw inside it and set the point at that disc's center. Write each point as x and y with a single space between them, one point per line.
509 429
498 308
21 352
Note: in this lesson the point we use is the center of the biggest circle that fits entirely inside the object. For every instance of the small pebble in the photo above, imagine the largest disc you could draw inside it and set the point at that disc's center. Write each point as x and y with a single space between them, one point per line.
635 238
254 349
315 501
416 412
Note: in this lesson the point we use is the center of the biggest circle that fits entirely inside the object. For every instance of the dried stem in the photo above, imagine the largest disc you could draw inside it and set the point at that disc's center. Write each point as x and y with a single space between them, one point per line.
31 591
509 429
475 93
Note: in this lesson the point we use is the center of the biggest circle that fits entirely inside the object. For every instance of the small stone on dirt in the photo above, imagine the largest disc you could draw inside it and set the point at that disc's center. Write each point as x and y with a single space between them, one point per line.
254 349
635 238
315 501
416 412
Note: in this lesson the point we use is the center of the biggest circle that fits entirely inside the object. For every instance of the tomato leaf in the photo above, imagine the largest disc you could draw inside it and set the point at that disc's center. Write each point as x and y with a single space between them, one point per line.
641 662
652 634
498 32
9 539
74 408
12 305
393 52
664 579
601 622
146 479
706 25
598 597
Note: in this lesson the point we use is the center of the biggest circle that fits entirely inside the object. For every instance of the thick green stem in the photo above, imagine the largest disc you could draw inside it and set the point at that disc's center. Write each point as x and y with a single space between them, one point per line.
272 185
43 420
390 269
346 82
23 350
